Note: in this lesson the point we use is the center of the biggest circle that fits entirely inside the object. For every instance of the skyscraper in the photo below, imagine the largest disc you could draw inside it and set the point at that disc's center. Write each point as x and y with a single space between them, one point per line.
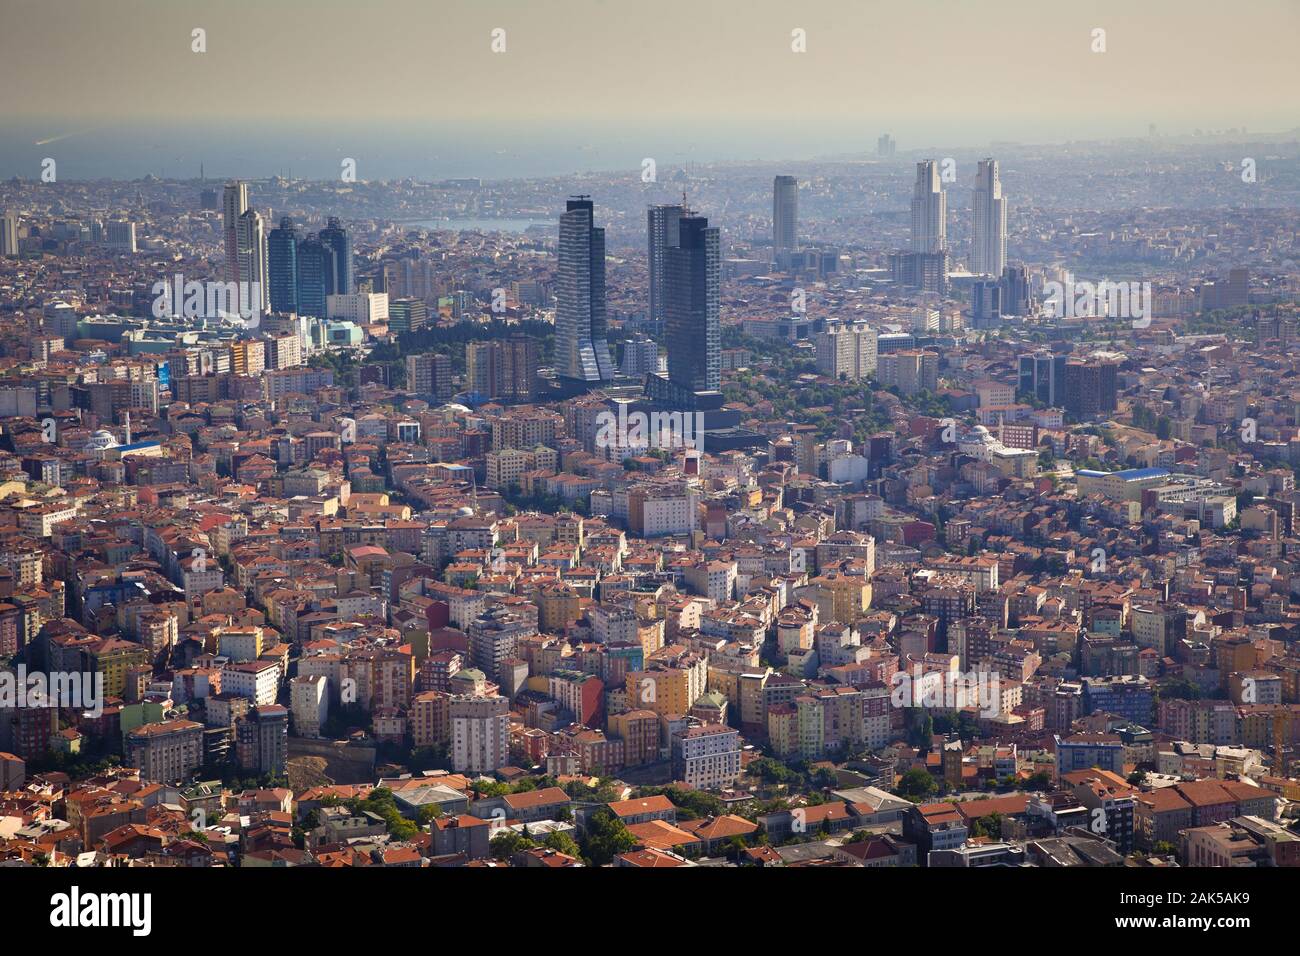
315 276
785 212
9 234
250 234
693 284
234 204
120 235
929 210
282 266
661 224
581 348
989 236
1016 296
337 240
1090 388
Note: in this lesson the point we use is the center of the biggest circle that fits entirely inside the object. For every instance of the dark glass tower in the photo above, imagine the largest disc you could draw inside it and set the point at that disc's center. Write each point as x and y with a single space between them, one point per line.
661 223
337 240
315 276
693 283
581 345
282 258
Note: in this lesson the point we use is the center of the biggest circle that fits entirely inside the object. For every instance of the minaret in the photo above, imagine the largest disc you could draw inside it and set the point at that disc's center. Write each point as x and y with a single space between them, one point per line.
128 427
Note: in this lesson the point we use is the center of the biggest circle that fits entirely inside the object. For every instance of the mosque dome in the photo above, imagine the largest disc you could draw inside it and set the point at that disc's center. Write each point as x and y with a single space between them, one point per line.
101 440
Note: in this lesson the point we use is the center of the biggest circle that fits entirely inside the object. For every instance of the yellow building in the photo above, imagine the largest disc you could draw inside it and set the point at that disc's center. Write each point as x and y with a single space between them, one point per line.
669 690
558 606
841 597
112 658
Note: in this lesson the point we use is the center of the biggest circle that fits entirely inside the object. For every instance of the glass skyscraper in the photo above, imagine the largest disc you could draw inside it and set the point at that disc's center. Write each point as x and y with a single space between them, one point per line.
661 222
337 240
315 276
693 284
581 346
282 256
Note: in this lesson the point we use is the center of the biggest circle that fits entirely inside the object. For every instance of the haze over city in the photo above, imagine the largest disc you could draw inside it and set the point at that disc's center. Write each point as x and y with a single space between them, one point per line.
419 91
579 434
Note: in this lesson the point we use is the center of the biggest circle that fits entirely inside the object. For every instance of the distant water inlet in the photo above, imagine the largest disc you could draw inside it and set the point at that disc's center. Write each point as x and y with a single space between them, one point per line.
481 225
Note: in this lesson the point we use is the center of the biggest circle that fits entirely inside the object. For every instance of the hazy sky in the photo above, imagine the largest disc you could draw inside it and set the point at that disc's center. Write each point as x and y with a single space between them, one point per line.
931 71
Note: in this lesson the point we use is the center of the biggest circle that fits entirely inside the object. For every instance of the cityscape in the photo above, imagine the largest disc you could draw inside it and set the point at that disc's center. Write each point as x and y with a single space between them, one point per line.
892 505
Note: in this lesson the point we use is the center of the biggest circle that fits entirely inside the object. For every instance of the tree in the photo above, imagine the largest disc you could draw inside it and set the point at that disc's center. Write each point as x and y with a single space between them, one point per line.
989 826
606 838
561 842
916 783
490 788
382 803
507 843
1042 780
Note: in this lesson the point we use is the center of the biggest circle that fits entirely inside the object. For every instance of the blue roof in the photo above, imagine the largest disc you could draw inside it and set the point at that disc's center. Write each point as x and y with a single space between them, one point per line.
1128 474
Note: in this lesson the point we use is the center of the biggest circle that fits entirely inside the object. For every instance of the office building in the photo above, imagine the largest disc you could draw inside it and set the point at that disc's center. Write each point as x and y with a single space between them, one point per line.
9 234
785 213
407 315
250 238
922 271
986 304
694 287
120 235
661 222
336 239
315 277
581 347
1090 388
1016 297
234 203
929 210
282 266
1042 375
989 235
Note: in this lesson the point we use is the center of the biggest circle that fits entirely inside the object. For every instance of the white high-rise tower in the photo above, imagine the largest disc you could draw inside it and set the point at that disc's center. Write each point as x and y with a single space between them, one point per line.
929 210
250 241
234 204
989 236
